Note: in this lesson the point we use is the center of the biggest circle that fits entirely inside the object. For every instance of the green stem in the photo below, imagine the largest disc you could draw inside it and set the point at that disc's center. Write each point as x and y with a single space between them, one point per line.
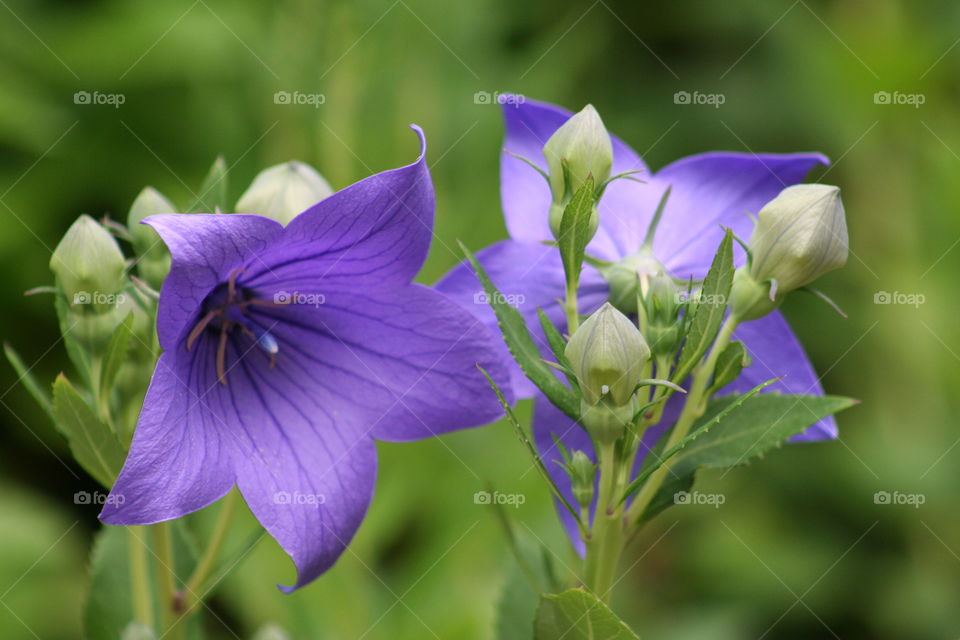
572 309
166 580
692 409
209 558
606 535
139 578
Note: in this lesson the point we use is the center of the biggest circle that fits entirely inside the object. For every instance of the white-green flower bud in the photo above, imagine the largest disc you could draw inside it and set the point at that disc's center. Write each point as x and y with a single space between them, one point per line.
800 235
89 266
153 262
605 421
284 191
579 149
607 354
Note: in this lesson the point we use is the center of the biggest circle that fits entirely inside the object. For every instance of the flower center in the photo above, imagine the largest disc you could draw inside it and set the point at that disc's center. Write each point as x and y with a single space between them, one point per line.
224 312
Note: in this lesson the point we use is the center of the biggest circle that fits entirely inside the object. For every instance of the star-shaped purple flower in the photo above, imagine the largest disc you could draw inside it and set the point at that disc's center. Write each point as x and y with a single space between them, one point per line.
708 192
287 351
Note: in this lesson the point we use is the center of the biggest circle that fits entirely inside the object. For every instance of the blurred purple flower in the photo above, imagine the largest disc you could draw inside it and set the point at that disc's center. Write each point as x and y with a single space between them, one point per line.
287 351
708 191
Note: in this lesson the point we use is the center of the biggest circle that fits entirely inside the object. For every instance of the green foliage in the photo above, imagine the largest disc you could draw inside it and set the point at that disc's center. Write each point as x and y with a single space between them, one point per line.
576 231
708 309
93 443
577 615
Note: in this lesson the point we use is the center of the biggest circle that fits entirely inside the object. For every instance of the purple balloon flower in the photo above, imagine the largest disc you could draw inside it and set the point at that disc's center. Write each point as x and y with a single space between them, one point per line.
708 191
287 351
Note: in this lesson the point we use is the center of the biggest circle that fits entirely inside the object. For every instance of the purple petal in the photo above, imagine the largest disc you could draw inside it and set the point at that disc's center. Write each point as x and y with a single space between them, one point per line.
776 352
304 465
379 228
404 358
181 458
530 276
206 249
526 195
711 191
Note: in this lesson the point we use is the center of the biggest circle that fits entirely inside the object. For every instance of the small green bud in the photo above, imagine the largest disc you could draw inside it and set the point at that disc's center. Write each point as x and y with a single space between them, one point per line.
800 235
89 266
153 262
284 191
579 149
608 354
627 279
582 472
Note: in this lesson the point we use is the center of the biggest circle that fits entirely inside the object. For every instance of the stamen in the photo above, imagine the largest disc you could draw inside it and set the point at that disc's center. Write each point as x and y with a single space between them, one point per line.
232 284
197 330
221 356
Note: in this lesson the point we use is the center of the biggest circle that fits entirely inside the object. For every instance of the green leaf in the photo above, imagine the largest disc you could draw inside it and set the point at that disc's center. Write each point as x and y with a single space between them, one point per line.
702 426
760 424
213 191
746 428
532 450
113 359
522 346
730 363
93 444
29 381
519 597
709 309
558 345
578 615
575 232
68 329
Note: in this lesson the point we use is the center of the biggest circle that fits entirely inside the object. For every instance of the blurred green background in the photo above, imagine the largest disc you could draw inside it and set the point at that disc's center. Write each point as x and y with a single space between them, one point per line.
800 549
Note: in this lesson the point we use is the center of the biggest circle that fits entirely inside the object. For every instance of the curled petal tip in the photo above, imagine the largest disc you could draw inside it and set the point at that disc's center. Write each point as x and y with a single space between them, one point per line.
423 142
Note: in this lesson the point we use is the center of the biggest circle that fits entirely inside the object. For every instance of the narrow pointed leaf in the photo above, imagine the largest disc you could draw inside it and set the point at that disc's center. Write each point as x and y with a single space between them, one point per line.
93 444
28 380
575 233
523 347
578 615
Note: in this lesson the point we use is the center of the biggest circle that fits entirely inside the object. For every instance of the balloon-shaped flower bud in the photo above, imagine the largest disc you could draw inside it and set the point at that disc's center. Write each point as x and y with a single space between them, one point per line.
582 471
153 257
607 354
89 266
800 235
579 149
284 191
